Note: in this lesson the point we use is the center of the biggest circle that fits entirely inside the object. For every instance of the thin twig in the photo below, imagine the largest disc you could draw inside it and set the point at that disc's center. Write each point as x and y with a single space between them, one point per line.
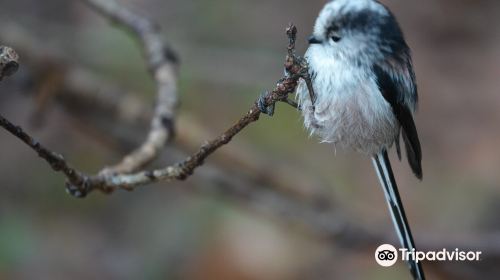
184 169
163 63
56 161
80 184
9 62
116 117
298 66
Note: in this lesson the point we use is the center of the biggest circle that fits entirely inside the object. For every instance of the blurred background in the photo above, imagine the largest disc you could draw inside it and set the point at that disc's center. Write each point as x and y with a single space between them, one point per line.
274 203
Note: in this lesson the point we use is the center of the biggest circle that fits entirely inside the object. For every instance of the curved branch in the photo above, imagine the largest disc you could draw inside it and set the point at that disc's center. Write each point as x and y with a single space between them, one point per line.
107 183
163 63
80 184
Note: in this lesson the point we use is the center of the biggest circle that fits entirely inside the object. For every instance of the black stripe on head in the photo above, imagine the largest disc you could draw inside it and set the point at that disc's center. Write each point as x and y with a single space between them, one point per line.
353 21
383 26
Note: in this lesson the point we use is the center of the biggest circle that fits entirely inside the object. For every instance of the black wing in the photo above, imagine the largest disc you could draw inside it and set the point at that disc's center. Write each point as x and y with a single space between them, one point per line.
396 81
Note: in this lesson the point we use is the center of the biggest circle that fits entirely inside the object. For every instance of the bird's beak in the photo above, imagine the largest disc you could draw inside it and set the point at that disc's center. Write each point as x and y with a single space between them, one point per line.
313 40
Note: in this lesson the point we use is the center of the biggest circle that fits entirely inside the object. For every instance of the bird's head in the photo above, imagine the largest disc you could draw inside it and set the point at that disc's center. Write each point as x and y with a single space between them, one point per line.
359 30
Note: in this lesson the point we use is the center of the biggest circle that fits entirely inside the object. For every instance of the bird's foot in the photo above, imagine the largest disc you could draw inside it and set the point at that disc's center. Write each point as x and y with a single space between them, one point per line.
292 103
263 107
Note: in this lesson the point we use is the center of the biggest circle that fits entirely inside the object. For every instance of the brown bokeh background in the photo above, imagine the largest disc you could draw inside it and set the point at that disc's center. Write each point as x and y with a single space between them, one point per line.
231 51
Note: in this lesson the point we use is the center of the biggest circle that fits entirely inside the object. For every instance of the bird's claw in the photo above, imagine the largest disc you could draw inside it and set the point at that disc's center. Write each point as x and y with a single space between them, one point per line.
263 107
292 103
76 191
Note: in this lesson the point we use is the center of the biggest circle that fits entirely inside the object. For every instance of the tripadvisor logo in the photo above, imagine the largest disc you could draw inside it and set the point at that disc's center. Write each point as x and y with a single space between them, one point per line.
387 255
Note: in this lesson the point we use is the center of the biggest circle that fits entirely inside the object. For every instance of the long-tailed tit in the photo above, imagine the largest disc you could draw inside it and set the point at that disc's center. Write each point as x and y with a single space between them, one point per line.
365 93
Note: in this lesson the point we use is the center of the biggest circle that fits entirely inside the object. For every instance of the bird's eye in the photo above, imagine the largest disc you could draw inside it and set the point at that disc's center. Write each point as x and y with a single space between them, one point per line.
335 38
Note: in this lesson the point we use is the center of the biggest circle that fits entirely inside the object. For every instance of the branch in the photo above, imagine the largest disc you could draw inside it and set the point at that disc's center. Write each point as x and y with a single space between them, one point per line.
80 184
163 63
182 170
9 62
118 117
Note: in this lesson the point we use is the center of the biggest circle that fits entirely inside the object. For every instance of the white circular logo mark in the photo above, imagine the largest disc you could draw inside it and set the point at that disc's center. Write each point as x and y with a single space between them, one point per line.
386 255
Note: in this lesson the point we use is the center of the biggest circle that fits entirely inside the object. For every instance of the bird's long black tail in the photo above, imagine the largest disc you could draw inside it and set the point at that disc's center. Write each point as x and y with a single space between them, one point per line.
384 171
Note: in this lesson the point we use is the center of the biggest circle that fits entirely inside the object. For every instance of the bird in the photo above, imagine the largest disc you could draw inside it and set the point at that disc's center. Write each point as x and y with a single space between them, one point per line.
365 94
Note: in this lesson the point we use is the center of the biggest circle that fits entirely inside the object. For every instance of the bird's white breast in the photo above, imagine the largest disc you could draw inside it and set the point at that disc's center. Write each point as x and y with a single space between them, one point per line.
349 110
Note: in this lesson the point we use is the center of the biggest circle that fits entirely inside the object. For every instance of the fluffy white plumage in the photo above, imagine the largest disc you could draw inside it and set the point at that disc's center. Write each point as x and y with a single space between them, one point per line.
350 110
